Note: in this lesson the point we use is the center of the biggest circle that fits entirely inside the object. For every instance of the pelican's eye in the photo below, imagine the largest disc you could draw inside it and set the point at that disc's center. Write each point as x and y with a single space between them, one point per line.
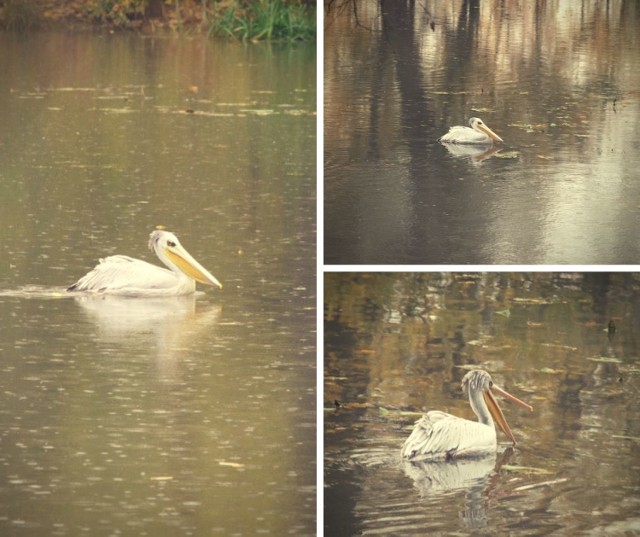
490 384
171 244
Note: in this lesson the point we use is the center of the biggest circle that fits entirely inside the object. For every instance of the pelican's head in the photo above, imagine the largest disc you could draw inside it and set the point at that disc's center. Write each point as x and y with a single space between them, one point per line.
168 248
478 382
478 125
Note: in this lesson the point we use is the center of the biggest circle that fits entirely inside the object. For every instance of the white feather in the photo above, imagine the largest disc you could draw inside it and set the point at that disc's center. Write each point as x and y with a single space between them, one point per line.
126 276
438 435
479 133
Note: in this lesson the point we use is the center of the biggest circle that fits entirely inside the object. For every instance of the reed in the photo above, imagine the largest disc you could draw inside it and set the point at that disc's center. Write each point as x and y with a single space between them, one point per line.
20 15
264 19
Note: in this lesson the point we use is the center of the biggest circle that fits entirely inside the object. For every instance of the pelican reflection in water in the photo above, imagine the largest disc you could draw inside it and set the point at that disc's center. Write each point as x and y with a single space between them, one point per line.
125 276
438 435
479 133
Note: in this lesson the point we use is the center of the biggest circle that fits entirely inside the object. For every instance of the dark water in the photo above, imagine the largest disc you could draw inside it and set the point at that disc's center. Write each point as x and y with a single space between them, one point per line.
397 345
189 416
556 80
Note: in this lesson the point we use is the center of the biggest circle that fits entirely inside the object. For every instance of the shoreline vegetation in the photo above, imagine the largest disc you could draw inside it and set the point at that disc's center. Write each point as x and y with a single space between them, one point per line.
283 20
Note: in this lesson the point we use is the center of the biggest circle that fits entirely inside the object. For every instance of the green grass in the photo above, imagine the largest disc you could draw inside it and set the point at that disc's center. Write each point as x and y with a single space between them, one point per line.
265 19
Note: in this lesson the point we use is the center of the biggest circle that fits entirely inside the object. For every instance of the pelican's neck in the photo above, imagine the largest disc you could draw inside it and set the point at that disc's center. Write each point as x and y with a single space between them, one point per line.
476 399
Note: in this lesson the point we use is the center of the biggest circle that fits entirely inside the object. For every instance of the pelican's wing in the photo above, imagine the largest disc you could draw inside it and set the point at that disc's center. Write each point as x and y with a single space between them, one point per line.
124 275
451 135
464 135
440 435
426 438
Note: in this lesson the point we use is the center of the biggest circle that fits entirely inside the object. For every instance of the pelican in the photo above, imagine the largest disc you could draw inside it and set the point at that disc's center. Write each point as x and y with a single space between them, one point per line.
438 435
479 133
125 276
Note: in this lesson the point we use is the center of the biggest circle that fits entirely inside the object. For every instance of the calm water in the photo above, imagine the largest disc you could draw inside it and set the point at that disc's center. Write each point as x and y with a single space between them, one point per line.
192 416
398 345
558 81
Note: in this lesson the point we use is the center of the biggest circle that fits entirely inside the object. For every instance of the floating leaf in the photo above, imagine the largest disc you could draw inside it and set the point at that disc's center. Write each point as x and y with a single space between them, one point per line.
559 346
258 112
634 438
532 300
449 92
526 469
528 127
543 484
231 464
605 359
400 414
550 371
508 155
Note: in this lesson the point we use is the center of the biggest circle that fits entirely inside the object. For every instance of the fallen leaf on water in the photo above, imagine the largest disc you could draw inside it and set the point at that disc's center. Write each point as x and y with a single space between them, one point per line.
634 438
508 155
605 359
543 484
258 112
449 92
528 127
231 464
559 346
550 371
397 414
526 469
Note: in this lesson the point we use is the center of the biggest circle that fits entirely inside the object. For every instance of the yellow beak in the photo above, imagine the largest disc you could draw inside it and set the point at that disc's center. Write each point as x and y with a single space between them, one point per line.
187 264
490 133
496 412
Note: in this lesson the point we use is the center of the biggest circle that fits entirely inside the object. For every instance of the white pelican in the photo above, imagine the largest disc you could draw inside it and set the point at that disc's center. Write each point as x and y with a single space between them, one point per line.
125 276
438 435
479 133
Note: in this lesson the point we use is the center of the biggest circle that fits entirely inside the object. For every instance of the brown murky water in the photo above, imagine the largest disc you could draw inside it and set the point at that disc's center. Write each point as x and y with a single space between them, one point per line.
159 417
558 81
398 345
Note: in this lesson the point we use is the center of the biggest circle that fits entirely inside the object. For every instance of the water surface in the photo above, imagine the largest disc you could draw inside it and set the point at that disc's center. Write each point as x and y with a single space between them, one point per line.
398 345
556 80
190 416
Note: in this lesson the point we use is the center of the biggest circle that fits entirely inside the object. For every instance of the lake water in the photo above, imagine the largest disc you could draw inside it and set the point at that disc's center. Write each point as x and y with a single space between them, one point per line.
190 416
398 345
558 82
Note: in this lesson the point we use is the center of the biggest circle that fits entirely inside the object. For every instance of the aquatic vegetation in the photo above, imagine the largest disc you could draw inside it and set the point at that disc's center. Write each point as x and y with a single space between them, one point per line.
265 19
121 13
20 15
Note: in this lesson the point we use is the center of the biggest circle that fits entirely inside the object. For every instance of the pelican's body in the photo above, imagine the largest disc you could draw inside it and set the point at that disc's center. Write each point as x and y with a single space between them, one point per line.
478 134
125 276
438 435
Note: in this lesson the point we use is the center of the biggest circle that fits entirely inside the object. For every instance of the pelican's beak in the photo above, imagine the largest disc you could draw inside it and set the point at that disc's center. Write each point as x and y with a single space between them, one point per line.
490 133
187 264
496 412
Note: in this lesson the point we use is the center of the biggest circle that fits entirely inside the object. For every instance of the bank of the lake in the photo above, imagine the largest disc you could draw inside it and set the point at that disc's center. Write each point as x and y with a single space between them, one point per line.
286 20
